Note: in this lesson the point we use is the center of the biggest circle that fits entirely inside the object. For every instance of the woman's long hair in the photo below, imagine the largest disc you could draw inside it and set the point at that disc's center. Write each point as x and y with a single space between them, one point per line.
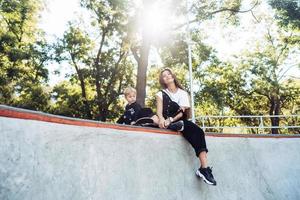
161 80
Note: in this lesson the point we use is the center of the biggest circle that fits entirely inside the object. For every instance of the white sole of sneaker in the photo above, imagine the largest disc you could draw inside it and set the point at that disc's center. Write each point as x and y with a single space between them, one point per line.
203 177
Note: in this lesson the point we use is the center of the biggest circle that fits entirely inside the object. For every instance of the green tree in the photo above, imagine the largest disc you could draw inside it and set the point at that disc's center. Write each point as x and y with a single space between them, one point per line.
288 12
254 85
68 101
267 65
288 17
227 86
75 47
23 55
99 56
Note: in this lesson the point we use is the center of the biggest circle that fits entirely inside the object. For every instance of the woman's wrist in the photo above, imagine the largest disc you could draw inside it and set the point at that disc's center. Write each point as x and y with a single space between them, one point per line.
161 118
167 122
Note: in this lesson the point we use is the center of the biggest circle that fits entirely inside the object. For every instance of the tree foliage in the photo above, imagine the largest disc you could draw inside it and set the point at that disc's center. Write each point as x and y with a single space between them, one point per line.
102 67
254 85
23 55
288 12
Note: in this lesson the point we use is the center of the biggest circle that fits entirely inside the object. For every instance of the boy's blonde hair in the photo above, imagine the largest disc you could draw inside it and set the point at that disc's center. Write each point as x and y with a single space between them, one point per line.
129 90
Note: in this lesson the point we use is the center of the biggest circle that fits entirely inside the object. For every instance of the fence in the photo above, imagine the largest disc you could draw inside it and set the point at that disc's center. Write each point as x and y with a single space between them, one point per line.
260 124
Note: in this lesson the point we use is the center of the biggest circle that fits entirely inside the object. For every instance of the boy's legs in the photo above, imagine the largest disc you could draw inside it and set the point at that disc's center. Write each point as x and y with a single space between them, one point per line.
144 121
145 117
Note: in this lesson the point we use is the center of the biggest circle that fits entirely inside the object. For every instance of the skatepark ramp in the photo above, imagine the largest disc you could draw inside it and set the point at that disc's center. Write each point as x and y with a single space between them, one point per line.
47 157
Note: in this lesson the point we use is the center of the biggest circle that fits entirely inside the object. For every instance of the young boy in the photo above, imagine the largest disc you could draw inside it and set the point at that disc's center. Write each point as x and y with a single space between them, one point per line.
134 114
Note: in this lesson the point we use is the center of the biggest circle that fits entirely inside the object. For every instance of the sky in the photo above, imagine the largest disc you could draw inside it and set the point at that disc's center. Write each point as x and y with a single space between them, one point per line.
56 15
227 41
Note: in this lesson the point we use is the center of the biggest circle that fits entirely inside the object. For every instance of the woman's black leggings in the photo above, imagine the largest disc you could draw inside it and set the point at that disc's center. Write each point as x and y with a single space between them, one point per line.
195 136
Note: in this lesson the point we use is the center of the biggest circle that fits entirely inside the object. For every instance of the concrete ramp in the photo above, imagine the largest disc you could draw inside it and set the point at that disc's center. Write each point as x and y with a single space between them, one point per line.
46 157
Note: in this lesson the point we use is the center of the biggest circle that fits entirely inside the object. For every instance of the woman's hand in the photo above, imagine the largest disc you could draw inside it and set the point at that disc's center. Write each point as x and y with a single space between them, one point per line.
161 123
167 122
182 108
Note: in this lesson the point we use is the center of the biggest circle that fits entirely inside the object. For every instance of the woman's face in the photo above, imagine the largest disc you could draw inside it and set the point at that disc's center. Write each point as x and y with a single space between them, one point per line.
167 77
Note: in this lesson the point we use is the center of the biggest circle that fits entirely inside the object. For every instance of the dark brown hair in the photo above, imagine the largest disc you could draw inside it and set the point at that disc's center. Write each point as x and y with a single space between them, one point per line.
161 80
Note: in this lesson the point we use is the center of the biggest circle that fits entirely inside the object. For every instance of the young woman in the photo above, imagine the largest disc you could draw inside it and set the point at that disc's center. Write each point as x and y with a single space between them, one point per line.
172 106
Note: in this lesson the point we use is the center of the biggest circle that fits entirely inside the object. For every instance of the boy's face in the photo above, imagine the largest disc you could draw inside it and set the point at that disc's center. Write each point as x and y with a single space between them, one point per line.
131 97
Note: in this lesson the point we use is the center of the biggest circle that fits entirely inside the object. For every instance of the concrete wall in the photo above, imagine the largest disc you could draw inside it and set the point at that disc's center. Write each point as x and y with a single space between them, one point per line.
50 161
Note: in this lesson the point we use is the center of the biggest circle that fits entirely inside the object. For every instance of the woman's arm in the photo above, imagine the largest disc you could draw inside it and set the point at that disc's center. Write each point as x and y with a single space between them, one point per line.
159 110
177 117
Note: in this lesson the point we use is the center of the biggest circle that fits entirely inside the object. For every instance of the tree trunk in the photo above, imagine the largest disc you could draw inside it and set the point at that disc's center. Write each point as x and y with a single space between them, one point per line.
98 91
103 114
85 101
142 72
274 110
97 76
87 111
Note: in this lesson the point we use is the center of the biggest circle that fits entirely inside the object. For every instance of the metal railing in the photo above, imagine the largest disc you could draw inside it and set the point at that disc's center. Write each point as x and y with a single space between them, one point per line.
259 123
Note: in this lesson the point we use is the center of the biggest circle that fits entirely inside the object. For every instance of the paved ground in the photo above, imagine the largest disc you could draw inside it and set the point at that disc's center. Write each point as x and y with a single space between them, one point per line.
41 160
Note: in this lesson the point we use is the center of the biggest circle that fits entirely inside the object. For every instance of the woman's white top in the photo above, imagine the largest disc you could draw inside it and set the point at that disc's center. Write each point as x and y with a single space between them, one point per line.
181 97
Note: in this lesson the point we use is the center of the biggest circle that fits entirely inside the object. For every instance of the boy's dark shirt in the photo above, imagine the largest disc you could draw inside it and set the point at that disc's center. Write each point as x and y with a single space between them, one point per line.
130 114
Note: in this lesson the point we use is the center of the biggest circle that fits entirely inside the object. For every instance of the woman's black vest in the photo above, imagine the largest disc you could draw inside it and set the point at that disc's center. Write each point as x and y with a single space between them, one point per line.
170 108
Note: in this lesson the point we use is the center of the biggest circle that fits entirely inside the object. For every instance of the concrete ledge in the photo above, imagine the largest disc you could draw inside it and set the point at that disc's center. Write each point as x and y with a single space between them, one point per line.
90 160
12 112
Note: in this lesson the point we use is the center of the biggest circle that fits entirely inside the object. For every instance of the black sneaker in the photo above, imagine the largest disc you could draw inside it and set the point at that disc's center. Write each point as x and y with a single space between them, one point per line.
206 175
176 126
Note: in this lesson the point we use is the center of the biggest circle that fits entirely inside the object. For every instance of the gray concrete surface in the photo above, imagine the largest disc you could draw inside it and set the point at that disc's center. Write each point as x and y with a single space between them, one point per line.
49 161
